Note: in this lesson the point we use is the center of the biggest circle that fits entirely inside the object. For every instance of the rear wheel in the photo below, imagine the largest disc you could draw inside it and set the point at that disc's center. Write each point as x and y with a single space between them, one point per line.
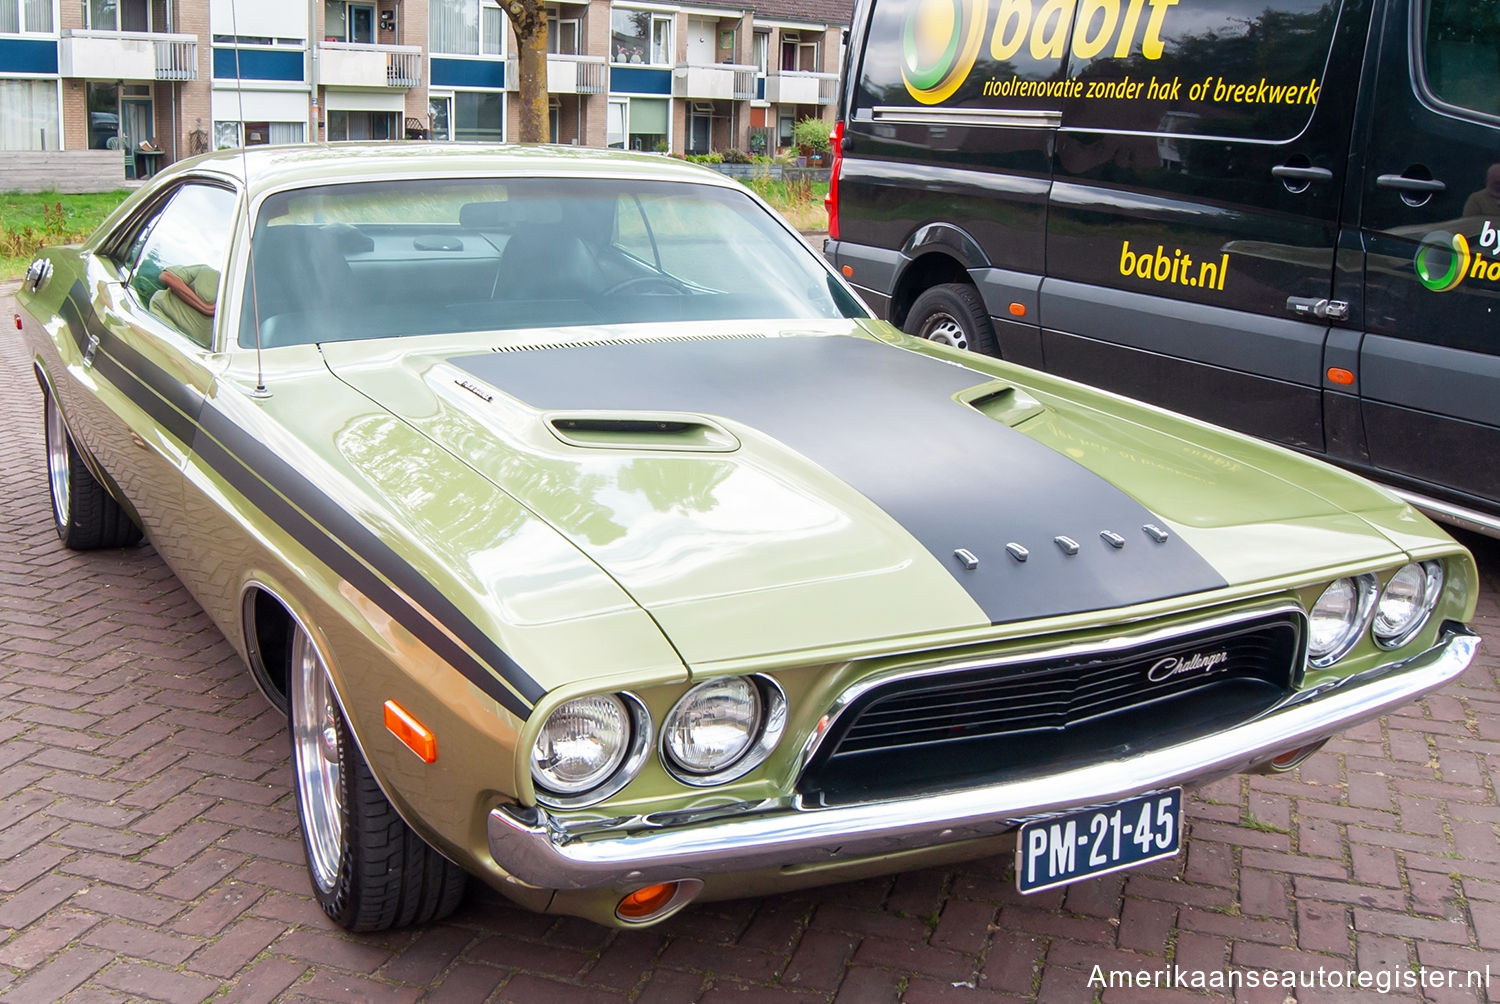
953 314
369 870
84 514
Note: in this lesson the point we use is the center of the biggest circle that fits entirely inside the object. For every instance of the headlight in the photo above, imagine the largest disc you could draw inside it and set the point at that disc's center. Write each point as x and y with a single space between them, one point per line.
1335 619
721 729
1406 602
581 744
713 725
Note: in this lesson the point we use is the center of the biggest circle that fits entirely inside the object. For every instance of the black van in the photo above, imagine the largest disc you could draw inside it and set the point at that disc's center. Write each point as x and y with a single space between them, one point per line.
1282 216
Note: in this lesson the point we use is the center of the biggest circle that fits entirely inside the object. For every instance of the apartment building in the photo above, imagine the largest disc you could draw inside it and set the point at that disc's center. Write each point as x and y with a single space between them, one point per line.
158 80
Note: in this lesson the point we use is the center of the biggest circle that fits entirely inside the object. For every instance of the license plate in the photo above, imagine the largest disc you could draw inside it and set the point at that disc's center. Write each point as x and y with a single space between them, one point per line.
1061 849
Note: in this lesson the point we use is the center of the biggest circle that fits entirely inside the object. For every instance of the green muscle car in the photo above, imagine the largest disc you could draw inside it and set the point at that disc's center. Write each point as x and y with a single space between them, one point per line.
598 542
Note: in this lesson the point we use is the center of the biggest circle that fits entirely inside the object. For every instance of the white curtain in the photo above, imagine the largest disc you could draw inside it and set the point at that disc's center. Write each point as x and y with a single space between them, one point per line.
286 132
28 115
38 15
455 26
10 15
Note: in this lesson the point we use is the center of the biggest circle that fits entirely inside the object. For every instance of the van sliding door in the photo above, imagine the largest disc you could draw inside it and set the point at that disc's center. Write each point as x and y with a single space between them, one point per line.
1429 213
1195 204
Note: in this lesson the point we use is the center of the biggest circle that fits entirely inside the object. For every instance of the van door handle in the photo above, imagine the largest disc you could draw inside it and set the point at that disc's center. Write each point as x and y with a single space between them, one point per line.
1319 307
1405 184
1305 174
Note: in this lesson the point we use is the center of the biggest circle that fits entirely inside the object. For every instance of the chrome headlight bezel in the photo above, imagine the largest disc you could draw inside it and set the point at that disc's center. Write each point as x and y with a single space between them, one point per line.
761 740
1429 590
625 763
1352 622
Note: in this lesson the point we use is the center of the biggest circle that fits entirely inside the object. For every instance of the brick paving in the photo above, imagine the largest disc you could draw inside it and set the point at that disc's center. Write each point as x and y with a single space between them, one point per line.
149 850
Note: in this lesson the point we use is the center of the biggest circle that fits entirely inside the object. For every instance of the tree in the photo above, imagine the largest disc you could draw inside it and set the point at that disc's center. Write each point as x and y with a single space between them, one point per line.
529 20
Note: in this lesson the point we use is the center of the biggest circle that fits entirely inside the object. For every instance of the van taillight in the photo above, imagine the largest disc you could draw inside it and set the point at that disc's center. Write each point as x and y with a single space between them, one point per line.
831 200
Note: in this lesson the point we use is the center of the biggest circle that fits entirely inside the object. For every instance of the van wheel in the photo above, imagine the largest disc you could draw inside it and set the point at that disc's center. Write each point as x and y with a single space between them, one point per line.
84 514
369 870
953 314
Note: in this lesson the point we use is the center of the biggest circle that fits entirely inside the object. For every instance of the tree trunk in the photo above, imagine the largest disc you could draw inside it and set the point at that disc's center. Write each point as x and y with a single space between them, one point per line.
529 19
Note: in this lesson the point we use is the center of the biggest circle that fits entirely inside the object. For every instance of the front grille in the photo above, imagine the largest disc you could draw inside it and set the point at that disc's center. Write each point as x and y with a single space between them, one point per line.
975 724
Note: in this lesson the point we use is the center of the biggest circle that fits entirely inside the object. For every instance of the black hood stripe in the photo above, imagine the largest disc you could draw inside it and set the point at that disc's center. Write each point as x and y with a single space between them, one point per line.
885 421
314 520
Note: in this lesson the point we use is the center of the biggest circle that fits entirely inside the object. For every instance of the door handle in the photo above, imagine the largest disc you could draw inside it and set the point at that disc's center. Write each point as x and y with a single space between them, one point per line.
1304 174
1401 182
1319 307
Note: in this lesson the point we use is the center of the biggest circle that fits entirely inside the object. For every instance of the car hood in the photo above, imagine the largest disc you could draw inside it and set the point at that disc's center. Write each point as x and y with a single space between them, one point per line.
781 489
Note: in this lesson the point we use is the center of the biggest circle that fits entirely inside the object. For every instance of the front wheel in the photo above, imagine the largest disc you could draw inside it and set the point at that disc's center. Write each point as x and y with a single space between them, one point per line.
953 314
369 870
85 515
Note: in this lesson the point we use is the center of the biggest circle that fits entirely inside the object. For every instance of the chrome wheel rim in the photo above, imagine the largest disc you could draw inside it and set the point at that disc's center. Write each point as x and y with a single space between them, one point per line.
315 748
945 329
58 474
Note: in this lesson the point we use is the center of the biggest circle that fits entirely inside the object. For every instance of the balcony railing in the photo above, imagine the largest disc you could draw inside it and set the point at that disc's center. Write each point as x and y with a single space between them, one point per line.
357 64
801 87
713 81
127 55
565 74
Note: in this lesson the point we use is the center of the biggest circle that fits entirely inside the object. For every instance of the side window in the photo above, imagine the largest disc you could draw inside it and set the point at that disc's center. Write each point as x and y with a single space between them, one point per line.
178 256
1243 69
1461 53
631 235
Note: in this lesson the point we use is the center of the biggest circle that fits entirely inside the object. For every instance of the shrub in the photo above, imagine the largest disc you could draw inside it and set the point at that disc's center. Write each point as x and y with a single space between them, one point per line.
732 156
812 135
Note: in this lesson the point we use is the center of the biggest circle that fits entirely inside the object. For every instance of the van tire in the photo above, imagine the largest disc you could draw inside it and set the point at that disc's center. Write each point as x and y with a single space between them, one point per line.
953 314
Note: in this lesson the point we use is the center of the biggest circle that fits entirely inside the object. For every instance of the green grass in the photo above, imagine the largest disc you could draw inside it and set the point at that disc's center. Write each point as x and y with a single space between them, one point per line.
32 220
801 202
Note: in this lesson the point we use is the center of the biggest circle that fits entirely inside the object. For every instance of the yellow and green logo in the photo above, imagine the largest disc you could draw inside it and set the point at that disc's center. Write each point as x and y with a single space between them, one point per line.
1442 260
939 45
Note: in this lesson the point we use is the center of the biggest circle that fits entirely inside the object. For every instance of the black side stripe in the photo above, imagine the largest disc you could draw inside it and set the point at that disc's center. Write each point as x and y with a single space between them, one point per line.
342 543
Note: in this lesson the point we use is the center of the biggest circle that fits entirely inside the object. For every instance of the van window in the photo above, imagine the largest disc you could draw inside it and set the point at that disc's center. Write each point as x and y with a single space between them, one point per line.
1243 69
915 57
1461 53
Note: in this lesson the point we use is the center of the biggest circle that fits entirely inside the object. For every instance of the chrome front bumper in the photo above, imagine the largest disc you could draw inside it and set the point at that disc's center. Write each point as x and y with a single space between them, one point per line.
532 847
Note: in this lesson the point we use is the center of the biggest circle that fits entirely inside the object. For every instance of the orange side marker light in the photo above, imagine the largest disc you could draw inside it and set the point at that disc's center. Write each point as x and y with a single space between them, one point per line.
416 736
848 271
1340 376
1017 309
646 902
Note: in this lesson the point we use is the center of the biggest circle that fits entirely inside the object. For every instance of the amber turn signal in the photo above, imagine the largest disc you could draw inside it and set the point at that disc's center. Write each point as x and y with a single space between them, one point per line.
1018 309
417 737
848 271
1340 376
646 903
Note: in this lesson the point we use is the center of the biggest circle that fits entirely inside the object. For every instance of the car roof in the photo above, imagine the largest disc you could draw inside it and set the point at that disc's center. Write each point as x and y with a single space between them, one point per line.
263 168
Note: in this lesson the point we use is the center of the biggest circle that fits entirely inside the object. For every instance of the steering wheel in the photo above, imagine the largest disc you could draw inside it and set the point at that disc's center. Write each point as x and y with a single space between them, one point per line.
666 284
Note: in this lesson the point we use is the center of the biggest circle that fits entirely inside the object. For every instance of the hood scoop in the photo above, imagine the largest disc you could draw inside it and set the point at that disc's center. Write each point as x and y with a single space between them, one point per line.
1003 403
669 431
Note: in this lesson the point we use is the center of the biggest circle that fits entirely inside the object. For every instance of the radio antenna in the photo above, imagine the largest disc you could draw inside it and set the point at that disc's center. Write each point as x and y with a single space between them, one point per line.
239 97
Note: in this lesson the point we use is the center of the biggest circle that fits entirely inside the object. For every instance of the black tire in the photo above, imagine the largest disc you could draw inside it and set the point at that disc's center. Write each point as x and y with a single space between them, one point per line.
84 513
953 314
369 870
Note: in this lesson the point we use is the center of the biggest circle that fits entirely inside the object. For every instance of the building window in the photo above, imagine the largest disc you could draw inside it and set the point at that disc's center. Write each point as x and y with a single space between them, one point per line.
637 124
103 100
797 54
348 22
439 114
117 15
28 115
227 135
762 50
363 125
563 33
19 16
784 126
467 27
479 116
640 36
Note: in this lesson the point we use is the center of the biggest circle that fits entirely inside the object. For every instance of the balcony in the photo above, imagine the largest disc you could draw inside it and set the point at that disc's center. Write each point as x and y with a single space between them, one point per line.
713 81
565 74
801 87
356 64
127 55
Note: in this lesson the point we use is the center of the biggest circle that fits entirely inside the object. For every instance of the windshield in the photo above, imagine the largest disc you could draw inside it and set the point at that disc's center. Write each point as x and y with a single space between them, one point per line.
380 259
